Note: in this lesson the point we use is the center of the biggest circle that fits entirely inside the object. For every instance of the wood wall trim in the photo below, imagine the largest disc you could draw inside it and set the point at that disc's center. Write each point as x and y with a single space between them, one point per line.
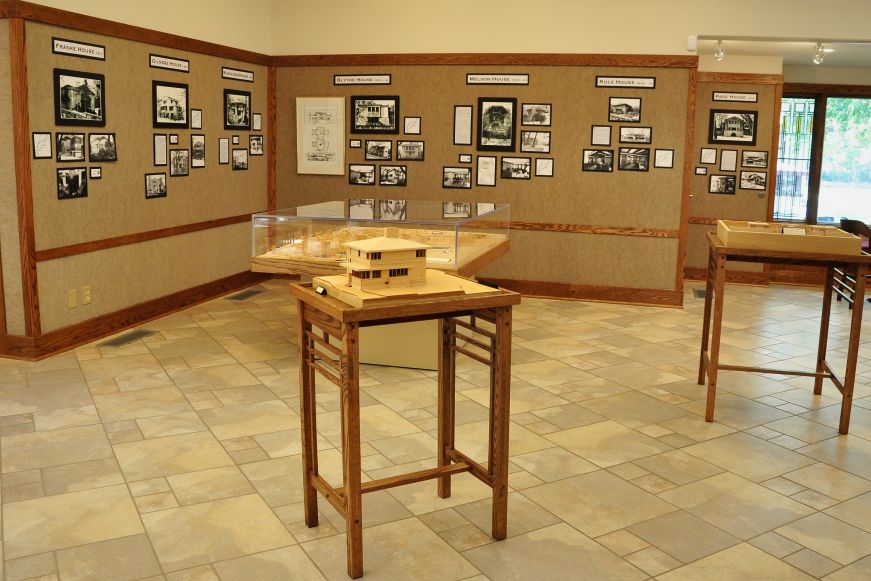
53 342
271 140
735 276
44 14
94 245
818 89
702 220
686 187
639 232
497 59
606 294
772 156
748 78
23 178
2 297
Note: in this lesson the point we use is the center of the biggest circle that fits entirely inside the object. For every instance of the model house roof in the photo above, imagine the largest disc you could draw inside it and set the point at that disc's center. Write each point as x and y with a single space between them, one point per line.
387 243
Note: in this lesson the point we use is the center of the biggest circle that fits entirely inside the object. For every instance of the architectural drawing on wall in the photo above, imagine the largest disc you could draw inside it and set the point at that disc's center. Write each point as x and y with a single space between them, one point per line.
361 209
320 135
486 171
392 209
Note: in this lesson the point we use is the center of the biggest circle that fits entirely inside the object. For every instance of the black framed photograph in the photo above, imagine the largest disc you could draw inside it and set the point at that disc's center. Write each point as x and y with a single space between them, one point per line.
393 175
70 146
196 118
456 210
636 134
633 159
457 177
160 149
155 185
535 114
757 159
535 141
392 209
237 110
624 109
544 167
379 150
240 159
101 147
497 117
601 135
516 168
42 145
361 208
663 158
179 162
96 173
721 184
753 180
361 174
198 151
598 160
72 183
409 151
375 114
169 105
412 126
255 144
80 98
732 126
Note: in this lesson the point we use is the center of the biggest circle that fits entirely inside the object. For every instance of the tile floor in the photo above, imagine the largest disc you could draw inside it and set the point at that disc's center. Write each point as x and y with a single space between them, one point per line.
176 457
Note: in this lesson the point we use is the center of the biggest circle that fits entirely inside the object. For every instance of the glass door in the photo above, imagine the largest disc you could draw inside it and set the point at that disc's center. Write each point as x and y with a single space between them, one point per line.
845 177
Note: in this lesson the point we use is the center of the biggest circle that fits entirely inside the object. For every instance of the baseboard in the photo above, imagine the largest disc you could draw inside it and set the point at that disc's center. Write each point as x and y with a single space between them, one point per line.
60 340
734 276
798 277
606 294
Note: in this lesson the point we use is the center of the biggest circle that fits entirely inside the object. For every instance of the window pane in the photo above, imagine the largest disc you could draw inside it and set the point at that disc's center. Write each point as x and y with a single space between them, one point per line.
845 181
794 158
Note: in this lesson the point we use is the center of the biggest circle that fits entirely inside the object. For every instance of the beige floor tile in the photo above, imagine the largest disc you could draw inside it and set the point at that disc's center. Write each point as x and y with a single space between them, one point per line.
856 511
525 397
406 395
249 394
250 419
285 564
170 455
207 485
829 537
523 515
608 443
170 425
738 412
683 536
121 559
737 563
653 561
421 498
54 447
858 571
224 529
633 409
622 542
153 502
812 563
201 573
140 404
636 375
678 467
81 476
747 456
472 439
847 453
465 538
803 429
376 423
65 418
407 448
44 399
568 416
775 544
830 481
129 373
553 464
548 373
749 385
696 428
378 508
30 567
279 481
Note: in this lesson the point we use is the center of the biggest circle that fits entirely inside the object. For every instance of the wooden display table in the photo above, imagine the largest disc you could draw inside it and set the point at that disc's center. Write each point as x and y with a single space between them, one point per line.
709 361
328 331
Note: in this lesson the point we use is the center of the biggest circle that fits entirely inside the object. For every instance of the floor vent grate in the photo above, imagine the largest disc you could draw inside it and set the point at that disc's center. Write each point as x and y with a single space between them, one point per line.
245 294
127 338
699 293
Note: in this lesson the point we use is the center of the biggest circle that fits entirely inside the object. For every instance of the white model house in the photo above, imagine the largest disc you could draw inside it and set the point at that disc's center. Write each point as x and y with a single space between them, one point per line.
386 261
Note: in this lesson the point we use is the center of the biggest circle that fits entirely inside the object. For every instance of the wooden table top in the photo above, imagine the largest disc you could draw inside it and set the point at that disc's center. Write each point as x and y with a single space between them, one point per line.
782 257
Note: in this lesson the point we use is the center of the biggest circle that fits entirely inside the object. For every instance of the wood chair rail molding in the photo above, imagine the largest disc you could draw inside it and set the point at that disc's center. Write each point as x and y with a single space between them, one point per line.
748 78
496 59
639 231
832 90
581 292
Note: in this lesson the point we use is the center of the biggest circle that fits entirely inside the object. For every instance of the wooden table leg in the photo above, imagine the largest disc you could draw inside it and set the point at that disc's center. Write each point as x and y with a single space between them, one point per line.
307 418
353 494
719 283
500 380
853 347
446 400
706 322
824 329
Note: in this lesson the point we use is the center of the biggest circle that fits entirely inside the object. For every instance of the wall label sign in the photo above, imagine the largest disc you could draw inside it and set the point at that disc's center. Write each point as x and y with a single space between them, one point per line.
362 79
735 97
496 79
626 82
237 74
157 61
79 49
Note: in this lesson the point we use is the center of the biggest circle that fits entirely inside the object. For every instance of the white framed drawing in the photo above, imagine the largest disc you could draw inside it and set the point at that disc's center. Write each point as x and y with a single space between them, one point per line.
486 175
663 158
320 135
544 167
728 159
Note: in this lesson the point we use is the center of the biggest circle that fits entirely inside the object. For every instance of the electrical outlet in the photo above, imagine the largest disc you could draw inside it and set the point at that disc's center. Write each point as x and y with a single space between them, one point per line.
71 298
86 295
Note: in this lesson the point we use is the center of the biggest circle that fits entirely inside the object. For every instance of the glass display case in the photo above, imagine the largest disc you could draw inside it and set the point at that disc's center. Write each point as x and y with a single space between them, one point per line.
310 239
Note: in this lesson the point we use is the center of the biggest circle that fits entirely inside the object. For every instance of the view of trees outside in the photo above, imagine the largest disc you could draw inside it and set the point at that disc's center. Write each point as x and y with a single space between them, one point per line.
845 181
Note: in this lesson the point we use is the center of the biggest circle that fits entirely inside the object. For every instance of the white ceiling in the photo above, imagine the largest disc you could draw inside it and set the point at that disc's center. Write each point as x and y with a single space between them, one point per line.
795 53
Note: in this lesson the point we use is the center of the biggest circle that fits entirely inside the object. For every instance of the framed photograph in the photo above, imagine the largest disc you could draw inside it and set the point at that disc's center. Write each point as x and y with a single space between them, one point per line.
535 141
465 158
457 177
496 120
223 151
633 159
198 151
179 162
462 125
375 114
361 174
257 119
96 173
72 183
392 209
636 134
720 184
70 146
173 139
79 98
409 151
101 147
42 145
516 168
237 110
486 175
240 159
361 209
535 114
757 159
412 127
379 150
255 145
393 175
235 140
598 160
320 133
355 144
708 155
624 109
732 126
155 185
169 105
601 135
701 171
754 180
728 159
663 158
456 210
484 208
544 167
196 118
160 149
